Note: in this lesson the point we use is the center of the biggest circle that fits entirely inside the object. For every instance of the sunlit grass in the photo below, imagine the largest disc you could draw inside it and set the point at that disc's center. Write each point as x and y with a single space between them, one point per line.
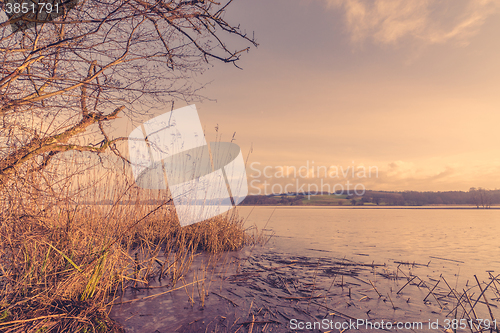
63 262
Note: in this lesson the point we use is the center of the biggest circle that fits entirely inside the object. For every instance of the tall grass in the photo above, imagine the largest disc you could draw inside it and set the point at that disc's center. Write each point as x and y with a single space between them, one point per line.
64 256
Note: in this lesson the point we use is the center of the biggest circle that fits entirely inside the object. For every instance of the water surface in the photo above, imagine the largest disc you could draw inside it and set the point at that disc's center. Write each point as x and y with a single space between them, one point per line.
469 237
309 246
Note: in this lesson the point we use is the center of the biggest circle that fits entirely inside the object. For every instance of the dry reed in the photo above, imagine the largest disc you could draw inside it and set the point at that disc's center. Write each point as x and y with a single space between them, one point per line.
71 240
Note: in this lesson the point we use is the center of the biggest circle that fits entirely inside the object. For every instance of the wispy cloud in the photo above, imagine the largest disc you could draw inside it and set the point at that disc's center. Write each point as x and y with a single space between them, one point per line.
427 21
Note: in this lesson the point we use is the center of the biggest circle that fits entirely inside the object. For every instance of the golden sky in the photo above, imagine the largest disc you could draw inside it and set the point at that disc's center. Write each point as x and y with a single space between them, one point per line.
411 87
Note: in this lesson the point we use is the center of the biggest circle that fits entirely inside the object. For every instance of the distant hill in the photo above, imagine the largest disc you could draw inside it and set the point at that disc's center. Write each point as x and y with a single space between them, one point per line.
479 198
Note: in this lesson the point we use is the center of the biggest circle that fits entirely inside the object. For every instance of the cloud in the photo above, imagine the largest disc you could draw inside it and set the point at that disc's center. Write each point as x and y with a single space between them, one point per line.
428 21
401 175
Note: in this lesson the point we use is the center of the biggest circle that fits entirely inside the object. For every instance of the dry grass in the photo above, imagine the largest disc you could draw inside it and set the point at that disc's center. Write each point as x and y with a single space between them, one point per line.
62 262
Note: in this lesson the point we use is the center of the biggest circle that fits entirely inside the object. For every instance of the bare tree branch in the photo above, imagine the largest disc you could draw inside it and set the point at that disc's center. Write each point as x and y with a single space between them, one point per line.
64 75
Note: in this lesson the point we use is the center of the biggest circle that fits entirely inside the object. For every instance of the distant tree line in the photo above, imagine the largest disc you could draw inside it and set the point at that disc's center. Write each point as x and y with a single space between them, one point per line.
479 197
273 200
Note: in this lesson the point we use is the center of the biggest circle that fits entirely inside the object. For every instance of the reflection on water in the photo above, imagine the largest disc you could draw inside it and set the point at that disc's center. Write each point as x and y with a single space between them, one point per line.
467 236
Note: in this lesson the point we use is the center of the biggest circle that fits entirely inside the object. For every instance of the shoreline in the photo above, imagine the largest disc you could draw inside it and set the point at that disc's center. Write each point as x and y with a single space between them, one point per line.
373 207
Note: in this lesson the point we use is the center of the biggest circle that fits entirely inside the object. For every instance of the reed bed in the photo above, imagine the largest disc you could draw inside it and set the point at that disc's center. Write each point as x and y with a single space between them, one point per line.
270 290
71 240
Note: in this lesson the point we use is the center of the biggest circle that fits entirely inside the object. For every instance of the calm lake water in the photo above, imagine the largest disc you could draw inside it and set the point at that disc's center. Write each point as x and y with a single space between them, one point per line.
453 243
469 237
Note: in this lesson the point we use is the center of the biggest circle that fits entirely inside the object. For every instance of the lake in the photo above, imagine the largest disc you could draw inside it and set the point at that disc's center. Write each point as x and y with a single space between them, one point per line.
470 237
336 263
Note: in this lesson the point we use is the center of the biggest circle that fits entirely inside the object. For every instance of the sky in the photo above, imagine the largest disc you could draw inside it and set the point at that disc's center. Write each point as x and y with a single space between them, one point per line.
405 89
408 87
